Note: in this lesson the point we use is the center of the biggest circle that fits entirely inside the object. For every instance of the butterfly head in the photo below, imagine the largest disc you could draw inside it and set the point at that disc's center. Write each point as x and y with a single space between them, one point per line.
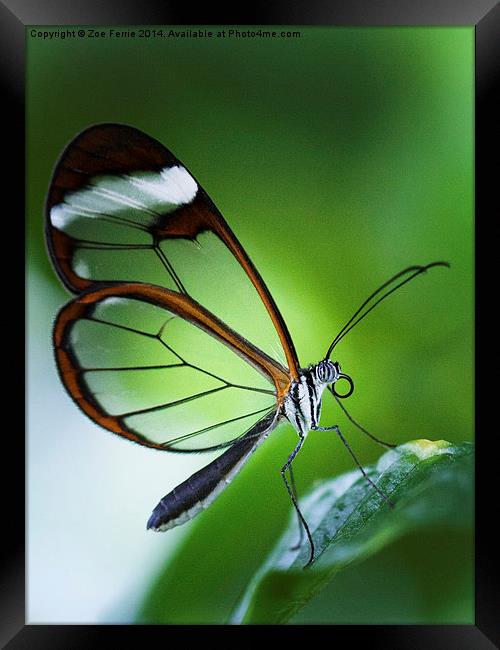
328 372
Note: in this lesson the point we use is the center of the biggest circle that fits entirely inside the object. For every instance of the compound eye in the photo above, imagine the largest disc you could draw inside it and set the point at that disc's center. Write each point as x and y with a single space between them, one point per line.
350 383
327 372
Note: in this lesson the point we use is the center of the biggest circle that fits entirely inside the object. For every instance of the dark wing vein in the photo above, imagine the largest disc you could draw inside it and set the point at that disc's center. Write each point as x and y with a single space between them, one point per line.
158 367
170 269
184 363
220 445
184 400
96 245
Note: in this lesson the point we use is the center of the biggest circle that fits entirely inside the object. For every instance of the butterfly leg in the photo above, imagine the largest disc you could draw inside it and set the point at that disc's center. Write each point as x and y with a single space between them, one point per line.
301 528
346 444
293 497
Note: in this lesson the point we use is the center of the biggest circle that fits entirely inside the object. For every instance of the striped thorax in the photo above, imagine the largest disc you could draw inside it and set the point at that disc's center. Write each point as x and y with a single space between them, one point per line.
302 404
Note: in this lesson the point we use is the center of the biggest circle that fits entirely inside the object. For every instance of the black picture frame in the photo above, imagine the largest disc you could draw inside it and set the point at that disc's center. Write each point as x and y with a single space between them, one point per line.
15 15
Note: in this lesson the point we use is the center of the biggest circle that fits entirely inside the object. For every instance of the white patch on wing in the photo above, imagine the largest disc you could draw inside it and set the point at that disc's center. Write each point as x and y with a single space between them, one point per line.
139 198
113 301
82 269
62 215
173 185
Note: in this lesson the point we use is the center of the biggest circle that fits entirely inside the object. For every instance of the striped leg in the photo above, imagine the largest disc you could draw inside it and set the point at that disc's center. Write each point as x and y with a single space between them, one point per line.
286 467
339 433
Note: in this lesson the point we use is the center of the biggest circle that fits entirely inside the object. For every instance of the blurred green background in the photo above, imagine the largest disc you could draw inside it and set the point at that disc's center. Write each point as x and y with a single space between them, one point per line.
338 158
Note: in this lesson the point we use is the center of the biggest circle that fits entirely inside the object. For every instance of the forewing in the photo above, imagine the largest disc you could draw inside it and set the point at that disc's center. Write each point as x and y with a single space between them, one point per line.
121 207
153 366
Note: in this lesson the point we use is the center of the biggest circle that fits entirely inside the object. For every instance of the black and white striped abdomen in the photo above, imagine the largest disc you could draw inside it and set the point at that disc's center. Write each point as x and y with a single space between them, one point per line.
201 489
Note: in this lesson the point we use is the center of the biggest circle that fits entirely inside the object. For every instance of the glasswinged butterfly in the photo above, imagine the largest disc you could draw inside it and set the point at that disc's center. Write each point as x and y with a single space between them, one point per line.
148 348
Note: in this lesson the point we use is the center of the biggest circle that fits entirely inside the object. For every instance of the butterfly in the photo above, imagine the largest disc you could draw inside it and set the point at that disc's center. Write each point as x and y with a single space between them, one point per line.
158 345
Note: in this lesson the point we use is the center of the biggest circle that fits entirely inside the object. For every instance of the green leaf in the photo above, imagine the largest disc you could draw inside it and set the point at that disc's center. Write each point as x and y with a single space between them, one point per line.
431 485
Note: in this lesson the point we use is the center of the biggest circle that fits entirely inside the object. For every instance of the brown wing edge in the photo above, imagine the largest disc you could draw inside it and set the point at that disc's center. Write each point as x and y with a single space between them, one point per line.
117 149
72 375
99 149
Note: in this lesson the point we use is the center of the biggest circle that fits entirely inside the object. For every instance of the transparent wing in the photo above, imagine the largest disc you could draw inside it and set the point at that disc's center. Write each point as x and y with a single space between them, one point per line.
154 366
121 207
